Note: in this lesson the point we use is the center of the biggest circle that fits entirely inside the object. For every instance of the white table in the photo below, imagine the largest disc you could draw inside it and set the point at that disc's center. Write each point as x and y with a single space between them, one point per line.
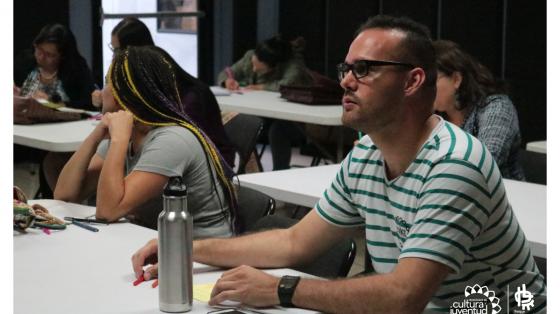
79 271
54 137
271 105
304 186
538 146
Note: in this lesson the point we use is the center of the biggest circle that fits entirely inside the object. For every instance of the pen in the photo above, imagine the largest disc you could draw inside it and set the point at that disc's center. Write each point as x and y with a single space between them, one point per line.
88 220
84 225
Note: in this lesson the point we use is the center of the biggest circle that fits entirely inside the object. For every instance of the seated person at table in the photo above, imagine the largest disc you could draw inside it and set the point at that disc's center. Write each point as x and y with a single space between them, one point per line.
198 100
150 138
274 62
469 96
55 70
436 218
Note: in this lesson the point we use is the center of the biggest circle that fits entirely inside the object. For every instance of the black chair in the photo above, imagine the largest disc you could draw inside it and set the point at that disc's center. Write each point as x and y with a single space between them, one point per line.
333 264
243 131
534 166
252 205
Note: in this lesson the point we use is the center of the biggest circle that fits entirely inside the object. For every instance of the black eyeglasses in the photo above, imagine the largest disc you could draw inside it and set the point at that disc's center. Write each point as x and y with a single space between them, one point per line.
360 68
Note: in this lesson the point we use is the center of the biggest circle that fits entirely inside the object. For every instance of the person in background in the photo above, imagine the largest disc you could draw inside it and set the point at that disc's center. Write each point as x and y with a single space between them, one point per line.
150 139
199 101
128 32
272 63
435 215
470 97
55 70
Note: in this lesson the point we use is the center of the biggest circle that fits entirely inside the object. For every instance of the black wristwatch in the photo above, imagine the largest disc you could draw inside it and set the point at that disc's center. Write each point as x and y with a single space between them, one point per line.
286 289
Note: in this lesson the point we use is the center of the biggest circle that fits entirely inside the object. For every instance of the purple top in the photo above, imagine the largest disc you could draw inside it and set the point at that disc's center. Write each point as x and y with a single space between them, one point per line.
202 107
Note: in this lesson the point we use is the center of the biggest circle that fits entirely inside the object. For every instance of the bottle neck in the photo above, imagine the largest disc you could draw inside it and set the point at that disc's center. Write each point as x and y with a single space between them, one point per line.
175 204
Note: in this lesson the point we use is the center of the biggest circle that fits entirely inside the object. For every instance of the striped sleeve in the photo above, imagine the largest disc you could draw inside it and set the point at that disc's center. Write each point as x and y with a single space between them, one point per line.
336 205
453 206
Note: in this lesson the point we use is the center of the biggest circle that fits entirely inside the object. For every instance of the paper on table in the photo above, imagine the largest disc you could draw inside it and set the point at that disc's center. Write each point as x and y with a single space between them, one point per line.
202 292
219 91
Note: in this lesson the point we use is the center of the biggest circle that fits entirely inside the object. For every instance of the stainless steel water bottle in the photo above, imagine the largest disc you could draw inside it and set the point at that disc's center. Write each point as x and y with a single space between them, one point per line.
175 226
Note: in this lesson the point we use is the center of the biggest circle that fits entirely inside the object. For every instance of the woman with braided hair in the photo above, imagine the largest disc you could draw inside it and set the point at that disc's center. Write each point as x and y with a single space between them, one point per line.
145 137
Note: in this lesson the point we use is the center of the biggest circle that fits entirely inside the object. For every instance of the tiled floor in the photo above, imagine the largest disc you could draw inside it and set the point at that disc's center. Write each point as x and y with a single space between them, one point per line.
26 177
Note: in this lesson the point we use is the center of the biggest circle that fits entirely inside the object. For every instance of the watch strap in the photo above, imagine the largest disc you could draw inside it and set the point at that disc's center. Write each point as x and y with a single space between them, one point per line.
286 288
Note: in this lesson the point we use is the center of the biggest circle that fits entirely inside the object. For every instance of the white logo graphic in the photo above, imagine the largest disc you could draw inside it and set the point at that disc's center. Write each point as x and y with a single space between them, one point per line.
524 298
478 300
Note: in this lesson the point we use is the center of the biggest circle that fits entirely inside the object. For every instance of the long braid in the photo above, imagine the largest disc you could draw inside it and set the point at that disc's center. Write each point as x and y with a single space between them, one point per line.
144 84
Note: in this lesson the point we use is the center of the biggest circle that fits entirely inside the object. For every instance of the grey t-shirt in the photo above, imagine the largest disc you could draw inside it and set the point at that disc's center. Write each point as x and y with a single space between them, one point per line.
175 151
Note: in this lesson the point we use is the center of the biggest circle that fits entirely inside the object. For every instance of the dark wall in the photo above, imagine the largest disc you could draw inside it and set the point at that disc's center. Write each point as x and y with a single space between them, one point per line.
31 15
516 52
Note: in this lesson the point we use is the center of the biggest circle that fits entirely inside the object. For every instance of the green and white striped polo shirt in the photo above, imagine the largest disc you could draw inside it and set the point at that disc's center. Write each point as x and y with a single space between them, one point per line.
450 206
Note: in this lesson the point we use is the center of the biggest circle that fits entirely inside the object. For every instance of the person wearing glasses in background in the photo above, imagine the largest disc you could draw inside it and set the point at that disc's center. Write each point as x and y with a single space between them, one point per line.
55 71
427 195
470 97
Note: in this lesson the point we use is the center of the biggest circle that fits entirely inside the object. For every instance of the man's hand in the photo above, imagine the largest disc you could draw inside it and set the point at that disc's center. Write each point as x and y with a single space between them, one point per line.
231 84
145 256
96 98
247 285
119 124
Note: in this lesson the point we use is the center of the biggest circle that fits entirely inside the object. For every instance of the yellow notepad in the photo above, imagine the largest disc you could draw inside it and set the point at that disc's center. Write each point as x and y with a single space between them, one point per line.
202 292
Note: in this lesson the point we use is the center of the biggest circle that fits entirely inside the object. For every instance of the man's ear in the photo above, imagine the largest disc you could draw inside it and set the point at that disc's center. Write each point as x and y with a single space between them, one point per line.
415 79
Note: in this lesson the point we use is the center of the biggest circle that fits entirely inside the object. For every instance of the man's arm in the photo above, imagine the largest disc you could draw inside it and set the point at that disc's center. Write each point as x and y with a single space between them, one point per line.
405 290
299 244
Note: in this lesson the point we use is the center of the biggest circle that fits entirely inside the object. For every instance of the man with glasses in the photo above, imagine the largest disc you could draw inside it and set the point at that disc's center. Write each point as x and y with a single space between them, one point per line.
428 195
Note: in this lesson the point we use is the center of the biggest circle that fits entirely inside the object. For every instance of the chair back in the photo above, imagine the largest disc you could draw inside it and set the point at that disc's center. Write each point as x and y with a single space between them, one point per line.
336 262
243 131
252 205
534 166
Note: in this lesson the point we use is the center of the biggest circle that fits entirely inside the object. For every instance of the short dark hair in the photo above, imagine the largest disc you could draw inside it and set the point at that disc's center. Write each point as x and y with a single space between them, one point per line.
273 51
417 46
132 32
477 81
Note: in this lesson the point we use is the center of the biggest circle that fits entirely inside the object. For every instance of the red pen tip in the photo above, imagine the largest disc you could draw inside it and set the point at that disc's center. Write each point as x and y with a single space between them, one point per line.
138 280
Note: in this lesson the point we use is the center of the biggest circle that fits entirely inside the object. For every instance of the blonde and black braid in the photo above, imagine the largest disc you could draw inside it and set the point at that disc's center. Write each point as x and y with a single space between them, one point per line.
145 84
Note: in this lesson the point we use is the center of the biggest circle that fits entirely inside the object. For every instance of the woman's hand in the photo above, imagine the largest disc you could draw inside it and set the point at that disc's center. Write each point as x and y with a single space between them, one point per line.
40 95
255 87
145 256
17 90
231 84
96 98
119 125
247 285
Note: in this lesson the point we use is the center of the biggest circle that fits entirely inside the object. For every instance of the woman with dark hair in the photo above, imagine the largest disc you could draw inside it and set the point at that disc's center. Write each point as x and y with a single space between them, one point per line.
274 62
469 96
199 102
55 70
128 32
150 139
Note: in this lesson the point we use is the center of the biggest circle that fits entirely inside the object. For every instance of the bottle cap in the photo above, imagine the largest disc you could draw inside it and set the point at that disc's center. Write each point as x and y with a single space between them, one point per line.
175 187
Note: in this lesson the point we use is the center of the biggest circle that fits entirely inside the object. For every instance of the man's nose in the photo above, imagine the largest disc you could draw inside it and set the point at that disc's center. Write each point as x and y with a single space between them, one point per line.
348 81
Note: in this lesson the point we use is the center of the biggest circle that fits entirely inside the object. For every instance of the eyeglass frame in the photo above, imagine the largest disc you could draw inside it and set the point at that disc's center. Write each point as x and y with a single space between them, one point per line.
341 73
